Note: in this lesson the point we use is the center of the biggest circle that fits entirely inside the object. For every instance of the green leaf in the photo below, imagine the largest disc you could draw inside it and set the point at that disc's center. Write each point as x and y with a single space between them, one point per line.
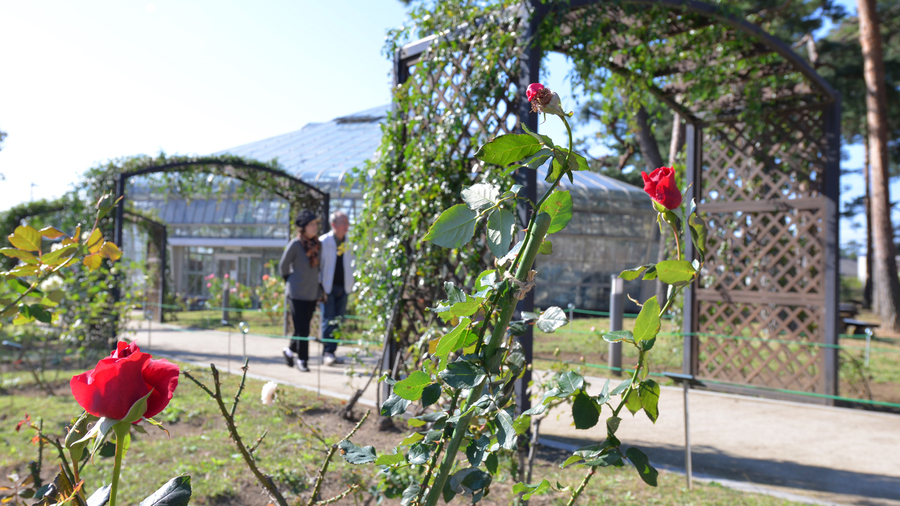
551 319
634 273
501 227
56 257
453 228
412 438
431 394
24 256
101 496
394 405
649 395
543 139
411 387
26 238
618 335
481 196
410 494
569 461
452 340
546 247
462 374
632 401
559 207
454 293
570 382
612 424
356 455
530 490
698 233
506 433
651 273
647 323
475 454
584 411
40 314
419 453
647 344
621 388
603 398
675 272
642 463
176 492
389 460
491 463
522 424
612 458
507 149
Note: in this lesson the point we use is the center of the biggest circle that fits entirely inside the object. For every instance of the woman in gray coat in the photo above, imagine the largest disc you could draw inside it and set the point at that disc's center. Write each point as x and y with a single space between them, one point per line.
299 267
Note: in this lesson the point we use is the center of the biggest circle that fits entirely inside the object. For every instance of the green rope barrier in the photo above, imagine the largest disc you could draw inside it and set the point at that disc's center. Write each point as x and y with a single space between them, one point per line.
752 387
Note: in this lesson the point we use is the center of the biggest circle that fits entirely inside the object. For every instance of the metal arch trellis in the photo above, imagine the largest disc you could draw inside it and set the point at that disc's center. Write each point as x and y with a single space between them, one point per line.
762 163
298 193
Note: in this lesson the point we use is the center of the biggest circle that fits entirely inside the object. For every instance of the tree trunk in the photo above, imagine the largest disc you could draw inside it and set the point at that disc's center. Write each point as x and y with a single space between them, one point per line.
886 284
870 257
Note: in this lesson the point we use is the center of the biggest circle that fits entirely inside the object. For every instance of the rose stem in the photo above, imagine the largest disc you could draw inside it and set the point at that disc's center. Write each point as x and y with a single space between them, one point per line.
121 430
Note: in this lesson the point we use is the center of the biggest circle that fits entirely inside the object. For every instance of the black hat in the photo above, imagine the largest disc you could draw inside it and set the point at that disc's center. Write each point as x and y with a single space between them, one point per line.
304 218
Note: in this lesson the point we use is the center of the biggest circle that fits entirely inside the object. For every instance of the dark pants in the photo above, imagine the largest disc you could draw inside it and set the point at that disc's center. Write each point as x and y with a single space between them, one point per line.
301 311
335 307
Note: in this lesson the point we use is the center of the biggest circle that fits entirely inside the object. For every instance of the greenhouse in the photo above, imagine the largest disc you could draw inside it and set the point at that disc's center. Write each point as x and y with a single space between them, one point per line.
613 224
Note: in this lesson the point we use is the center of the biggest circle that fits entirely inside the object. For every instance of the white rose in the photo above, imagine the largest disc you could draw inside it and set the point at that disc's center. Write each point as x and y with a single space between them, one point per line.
52 283
268 393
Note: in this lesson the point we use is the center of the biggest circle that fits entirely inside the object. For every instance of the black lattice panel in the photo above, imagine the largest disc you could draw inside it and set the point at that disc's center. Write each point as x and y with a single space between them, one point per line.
766 252
769 345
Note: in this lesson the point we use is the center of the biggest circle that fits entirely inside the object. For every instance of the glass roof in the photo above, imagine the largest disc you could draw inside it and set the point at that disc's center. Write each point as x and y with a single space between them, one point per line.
322 154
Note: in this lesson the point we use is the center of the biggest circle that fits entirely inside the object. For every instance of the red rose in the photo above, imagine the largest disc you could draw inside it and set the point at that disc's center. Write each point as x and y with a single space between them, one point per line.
660 185
126 376
543 100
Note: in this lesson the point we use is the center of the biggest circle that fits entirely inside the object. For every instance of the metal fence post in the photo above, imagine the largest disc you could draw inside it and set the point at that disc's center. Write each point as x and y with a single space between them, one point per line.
616 310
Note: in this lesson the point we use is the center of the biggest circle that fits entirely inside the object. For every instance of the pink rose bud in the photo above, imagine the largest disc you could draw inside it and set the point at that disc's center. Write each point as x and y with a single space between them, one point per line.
543 100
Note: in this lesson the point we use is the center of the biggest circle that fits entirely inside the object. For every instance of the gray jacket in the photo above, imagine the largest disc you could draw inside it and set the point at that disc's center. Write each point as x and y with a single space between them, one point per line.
302 279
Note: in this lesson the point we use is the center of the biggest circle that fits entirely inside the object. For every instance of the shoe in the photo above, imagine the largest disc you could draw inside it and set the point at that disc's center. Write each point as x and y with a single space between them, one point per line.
330 359
288 357
301 366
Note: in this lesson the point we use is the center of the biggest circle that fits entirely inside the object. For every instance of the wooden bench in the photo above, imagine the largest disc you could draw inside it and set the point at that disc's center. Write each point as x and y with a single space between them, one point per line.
859 326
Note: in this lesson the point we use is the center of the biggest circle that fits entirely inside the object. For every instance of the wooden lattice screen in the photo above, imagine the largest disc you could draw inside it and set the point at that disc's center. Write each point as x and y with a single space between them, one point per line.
761 315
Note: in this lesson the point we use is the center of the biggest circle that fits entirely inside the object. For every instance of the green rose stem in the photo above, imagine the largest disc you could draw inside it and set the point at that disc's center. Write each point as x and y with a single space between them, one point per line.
640 364
123 434
533 240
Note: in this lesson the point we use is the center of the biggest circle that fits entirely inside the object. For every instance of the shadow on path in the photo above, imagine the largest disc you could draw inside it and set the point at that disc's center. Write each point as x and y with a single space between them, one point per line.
780 473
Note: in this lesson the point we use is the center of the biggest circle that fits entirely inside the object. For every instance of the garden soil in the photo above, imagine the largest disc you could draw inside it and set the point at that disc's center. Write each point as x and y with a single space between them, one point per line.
828 455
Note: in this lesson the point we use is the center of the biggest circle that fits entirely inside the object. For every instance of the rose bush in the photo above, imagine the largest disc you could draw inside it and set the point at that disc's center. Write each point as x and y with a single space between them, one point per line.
125 377
660 185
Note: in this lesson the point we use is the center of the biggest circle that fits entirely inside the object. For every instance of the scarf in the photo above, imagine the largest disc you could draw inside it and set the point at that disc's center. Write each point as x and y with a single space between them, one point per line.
312 247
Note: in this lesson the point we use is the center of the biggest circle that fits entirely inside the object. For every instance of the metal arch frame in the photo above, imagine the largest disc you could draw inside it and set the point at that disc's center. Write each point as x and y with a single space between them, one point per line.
530 66
163 265
122 180
183 166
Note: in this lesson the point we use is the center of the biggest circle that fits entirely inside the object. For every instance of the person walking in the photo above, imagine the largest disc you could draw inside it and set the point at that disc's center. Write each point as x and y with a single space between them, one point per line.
299 267
337 280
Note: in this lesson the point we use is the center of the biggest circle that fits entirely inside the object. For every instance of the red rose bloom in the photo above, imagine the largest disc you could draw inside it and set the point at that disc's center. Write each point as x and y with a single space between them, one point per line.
660 185
126 376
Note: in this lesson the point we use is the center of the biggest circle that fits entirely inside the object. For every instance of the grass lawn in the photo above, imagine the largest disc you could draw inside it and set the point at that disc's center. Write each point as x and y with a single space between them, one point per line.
199 446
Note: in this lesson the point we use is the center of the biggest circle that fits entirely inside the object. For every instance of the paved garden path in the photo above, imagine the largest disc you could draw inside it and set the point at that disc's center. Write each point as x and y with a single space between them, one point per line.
828 455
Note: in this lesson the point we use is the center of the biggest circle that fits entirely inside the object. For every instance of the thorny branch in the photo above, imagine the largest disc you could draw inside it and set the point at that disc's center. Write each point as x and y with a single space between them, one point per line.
264 480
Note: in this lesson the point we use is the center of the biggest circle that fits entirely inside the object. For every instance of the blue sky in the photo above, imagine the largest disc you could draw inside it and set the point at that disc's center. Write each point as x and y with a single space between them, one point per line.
84 82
